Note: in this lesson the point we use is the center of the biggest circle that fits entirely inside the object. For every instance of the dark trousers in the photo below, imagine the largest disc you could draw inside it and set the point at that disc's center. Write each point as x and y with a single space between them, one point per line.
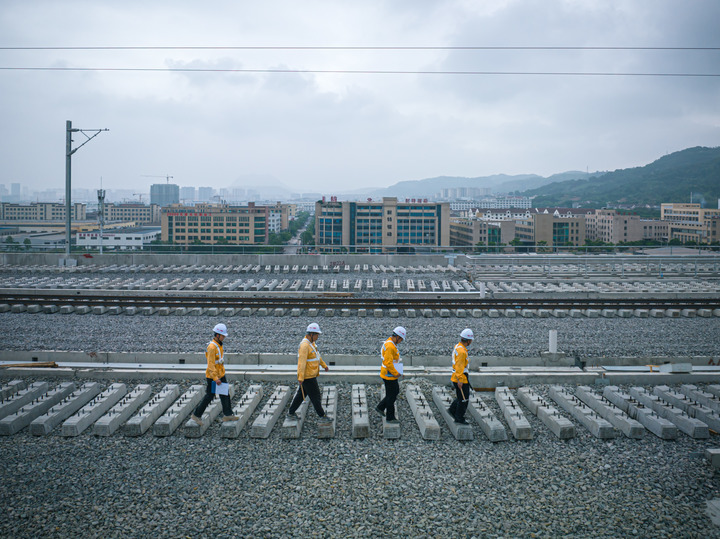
458 407
392 388
209 395
308 388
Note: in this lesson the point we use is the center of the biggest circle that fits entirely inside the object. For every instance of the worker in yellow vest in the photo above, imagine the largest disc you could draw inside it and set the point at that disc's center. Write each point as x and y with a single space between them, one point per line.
309 362
460 376
214 376
390 372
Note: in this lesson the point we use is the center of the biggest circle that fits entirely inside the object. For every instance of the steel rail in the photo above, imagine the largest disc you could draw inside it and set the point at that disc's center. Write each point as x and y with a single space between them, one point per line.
354 303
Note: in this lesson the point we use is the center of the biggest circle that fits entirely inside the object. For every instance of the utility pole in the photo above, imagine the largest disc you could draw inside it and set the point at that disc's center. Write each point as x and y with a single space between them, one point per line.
101 215
69 151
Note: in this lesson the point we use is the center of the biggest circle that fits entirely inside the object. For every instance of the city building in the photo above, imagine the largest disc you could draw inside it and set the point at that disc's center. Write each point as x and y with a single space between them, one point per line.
215 223
164 194
120 239
387 226
609 226
140 213
468 231
187 195
205 194
40 211
552 229
691 223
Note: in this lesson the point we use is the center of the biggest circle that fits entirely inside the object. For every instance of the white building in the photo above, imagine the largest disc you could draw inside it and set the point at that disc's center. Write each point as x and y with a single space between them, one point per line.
122 239
275 222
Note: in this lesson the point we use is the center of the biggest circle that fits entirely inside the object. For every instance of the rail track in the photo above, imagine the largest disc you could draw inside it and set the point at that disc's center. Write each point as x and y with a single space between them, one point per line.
342 302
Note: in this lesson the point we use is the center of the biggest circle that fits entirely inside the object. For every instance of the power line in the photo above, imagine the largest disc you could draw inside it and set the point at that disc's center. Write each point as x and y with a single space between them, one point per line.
366 48
361 71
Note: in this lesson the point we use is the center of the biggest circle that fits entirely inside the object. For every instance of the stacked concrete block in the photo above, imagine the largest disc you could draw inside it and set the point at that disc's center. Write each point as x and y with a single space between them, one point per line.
712 455
519 425
690 426
273 409
691 407
193 430
153 409
659 426
244 408
558 424
424 417
93 410
480 412
586 416
292 426
118 414
442 399
329 403
391 431
614 415
176 414
360 418
22 397
13 423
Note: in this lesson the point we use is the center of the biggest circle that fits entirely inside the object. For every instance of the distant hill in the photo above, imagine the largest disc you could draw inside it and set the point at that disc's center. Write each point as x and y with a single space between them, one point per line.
669 179
498 183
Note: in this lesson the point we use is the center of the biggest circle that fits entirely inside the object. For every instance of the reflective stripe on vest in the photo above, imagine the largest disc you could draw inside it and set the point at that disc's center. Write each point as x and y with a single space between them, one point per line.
455 353
382 360
315 350
222 356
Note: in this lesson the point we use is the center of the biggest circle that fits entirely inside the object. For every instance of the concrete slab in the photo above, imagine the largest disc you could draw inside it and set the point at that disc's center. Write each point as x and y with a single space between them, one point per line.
712 455
17 421
608 411
481 413
690 426
442 399
703 397
45 423
660 427
360 418
93 410
558 424
244 408
168 422
121 412
329 403
273 409
193 430
693 409
424 417
391 431
519 425
10 389
151 411
586 416
23 397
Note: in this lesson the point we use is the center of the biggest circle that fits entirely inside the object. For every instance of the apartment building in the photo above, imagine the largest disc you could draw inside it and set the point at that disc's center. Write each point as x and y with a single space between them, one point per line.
40 211
215 223
690 222
468 231
387 226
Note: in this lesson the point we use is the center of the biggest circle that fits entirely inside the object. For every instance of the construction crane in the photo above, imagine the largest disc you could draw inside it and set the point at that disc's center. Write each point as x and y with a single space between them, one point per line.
166 176
139 195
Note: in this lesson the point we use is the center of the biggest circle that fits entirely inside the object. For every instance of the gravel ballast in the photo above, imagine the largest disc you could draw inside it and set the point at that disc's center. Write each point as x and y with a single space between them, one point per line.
505 337
176 487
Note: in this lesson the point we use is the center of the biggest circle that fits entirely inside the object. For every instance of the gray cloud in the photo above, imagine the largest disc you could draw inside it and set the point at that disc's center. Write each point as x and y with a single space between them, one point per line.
325 132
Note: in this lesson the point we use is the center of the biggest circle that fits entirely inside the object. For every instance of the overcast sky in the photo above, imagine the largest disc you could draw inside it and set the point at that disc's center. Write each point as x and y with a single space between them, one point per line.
324 132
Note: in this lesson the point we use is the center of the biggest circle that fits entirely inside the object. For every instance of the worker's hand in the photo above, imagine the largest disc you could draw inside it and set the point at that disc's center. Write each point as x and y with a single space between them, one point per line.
460 384
217 381
327 368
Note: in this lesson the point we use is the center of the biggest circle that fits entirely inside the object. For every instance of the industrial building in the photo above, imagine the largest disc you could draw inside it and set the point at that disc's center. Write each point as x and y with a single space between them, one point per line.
215 223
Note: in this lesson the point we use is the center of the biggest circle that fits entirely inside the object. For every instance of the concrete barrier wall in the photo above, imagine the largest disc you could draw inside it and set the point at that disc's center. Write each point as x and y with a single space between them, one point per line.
51 259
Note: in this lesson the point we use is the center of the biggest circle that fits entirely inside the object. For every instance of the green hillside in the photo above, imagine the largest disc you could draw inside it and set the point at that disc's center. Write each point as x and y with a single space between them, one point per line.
669 179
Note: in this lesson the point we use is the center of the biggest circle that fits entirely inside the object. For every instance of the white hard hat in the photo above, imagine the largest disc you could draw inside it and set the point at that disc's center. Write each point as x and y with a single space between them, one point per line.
467 334
221 329
313 328
400 332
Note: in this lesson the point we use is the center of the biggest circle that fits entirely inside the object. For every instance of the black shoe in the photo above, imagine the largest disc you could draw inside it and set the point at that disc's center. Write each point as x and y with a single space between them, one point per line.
293 416
451 411
461 421
380 411
393 421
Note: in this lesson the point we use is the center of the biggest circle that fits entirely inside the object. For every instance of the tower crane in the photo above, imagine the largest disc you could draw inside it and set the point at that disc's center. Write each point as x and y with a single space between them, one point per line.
139 195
